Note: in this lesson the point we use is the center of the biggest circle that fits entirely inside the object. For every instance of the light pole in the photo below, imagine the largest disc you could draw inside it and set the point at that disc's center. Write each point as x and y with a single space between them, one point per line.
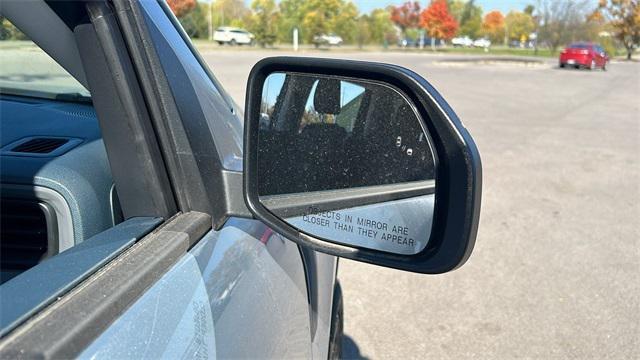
210 17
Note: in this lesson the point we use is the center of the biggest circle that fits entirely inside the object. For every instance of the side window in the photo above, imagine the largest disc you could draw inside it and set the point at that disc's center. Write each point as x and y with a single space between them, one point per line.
58 203
27 70
350 103
345 115
202 99
52 159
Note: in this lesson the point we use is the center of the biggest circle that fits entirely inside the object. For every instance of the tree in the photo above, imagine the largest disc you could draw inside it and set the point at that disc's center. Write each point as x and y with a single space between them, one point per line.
230 12
181 7
264 21
561 21
624 17
314 23
471 20
195 22
363 35
381 27
603 31
493 26
438 22
529 9
291 16
406 16
320 17
9 32
456 8
519 25
345 21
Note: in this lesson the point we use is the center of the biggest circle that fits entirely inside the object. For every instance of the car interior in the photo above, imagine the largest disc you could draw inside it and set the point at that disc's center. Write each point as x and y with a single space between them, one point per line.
334 145
53 165
56 186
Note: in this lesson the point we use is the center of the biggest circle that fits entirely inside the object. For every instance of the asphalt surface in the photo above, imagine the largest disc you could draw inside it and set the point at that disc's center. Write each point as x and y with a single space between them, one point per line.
555 272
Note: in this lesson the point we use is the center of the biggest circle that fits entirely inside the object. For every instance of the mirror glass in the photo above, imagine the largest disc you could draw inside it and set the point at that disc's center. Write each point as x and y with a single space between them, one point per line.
346 160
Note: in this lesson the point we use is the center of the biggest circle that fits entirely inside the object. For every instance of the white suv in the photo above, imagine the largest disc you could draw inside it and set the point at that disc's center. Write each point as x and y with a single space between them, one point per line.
324 39
462 42
233 36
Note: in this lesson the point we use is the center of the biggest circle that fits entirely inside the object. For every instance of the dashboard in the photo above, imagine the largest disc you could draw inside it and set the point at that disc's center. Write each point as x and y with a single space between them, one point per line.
56 188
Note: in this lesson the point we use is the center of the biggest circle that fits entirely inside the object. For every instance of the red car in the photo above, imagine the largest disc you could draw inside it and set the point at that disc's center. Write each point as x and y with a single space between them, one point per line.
586 55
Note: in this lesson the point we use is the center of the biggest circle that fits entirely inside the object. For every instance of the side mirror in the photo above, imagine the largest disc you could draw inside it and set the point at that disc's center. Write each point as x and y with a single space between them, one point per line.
360 160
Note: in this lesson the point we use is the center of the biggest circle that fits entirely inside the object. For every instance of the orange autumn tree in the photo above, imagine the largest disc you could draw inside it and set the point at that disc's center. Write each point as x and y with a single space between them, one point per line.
181 7
493 26
438 21
406 16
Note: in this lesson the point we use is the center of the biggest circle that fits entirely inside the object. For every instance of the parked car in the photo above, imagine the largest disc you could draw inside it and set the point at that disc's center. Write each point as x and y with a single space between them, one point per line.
436 41
408 43
515 44
584 55
233 36
482 43
327 40
462 42
143 218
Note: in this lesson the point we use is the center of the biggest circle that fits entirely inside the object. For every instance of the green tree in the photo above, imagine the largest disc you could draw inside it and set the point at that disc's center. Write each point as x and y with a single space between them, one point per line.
471 20
291 17
195 22
319 17
529 9
381 27
230 13
519 25
314 23
9 32
345 22
456 8
264 21
363 32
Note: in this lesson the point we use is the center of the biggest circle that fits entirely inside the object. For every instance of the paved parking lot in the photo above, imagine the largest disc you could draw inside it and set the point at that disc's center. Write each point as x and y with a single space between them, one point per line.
556 268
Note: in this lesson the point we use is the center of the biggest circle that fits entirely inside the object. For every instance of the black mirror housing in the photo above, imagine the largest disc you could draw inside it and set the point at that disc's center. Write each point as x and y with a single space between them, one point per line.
458 171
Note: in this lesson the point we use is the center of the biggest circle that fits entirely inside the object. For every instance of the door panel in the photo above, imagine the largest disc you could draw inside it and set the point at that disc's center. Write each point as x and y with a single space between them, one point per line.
171 320
239 292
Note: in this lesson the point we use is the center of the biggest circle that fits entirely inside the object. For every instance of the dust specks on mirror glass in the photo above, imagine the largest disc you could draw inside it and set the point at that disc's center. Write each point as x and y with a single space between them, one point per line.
328 133
332 136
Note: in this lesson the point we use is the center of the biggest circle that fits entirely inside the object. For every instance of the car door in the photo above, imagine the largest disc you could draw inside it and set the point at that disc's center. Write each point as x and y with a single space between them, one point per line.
241 280
201 284
190 272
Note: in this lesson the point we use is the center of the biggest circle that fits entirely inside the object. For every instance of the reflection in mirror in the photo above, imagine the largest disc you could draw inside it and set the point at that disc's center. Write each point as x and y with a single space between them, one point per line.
346 160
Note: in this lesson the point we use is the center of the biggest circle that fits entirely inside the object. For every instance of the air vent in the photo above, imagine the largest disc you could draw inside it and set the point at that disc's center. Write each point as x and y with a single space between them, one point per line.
40 145
23 236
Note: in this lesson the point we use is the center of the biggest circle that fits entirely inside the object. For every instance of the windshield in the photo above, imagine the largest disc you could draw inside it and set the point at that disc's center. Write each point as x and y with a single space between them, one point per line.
579 46
26 70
